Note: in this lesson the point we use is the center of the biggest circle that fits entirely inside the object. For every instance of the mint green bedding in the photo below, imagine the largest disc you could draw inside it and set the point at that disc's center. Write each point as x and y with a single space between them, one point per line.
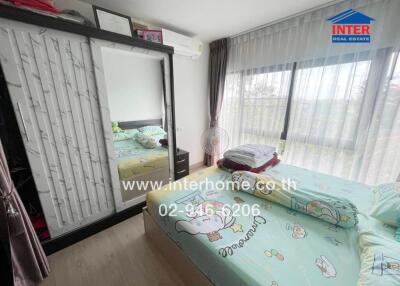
134 159
380 259
386 206
278 246
333 209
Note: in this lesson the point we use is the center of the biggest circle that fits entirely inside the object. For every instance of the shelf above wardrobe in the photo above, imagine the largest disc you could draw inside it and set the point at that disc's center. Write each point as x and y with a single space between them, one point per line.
31 17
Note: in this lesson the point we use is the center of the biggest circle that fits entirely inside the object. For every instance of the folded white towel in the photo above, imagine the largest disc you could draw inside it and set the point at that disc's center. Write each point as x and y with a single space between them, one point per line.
252 155
252 162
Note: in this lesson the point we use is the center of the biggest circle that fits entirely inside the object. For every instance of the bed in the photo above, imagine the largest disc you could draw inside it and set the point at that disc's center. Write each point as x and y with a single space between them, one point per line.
133 159
137 163
278 246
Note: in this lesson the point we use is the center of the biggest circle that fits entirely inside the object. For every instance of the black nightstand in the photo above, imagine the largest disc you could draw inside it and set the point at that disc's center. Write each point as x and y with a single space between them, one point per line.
181 164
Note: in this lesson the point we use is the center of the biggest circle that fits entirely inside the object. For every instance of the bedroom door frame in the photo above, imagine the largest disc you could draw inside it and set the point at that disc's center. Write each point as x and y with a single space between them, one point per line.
96 47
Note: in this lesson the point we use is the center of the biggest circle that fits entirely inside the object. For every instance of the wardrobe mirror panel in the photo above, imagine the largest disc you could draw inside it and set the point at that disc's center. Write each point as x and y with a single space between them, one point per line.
135 88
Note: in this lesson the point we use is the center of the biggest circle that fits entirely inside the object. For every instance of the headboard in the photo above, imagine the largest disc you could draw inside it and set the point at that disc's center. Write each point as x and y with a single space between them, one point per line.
139 123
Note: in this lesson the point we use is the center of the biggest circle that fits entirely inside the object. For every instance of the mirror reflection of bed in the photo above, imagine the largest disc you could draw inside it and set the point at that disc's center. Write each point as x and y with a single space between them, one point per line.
135 91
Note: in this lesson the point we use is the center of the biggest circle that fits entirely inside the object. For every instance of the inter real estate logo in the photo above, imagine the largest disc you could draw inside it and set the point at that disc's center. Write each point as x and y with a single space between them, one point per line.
351 26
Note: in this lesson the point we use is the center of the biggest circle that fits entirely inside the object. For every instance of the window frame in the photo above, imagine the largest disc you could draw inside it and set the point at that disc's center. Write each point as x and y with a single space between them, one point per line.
382 56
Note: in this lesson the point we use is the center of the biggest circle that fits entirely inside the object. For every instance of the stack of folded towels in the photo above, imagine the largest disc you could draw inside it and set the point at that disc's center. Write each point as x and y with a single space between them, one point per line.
250 157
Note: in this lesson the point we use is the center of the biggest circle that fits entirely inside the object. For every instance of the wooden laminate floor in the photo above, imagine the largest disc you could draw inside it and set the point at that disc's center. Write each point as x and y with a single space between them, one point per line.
121 255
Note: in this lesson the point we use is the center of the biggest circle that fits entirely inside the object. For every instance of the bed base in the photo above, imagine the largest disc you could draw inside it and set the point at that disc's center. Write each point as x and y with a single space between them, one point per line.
185 268
156 175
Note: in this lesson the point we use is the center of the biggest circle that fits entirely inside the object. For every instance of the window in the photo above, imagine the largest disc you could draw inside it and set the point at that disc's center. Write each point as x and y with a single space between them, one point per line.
332 90
265 98
254 105
343 117
334 94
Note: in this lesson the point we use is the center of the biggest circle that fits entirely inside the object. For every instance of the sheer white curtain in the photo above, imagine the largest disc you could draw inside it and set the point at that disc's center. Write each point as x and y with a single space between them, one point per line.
254 106
345 100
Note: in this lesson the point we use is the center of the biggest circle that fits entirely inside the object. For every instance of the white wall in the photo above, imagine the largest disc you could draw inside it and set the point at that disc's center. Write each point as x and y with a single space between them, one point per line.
134 85
191 103
191 92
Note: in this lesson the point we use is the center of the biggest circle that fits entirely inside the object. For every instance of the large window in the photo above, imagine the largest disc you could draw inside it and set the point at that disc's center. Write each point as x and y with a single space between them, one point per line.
334 95
338 115
255 104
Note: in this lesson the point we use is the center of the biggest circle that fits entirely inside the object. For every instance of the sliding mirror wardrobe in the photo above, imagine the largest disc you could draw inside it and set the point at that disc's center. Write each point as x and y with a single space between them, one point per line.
75 92
135 99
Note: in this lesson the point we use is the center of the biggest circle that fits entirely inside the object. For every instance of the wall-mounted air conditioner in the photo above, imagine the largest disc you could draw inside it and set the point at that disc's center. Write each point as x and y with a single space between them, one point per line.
183 45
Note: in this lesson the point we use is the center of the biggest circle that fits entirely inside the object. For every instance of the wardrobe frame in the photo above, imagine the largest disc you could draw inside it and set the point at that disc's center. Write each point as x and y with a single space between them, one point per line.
30 17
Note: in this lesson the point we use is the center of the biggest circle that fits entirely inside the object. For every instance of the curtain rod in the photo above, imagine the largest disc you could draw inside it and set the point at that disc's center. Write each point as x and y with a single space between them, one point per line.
330 3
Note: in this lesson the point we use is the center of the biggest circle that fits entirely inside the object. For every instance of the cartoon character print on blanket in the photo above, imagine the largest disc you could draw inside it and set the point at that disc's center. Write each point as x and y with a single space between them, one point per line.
326 267
242 178
251 183
335 210
385 265
332 240
320 210
207 217
274 253
297 230
238 200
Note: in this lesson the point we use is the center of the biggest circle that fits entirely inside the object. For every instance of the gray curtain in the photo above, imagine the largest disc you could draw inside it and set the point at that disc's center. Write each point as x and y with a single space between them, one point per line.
29 263
217 73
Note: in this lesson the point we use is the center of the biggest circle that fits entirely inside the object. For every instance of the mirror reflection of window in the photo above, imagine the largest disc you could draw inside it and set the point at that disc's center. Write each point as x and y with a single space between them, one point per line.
135 90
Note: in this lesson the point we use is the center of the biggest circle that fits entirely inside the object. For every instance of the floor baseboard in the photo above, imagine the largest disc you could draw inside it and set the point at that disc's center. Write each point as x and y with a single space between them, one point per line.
196 166
53 245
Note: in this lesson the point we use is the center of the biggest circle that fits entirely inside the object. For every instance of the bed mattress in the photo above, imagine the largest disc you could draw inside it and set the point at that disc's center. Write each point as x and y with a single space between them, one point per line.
276 246
133 159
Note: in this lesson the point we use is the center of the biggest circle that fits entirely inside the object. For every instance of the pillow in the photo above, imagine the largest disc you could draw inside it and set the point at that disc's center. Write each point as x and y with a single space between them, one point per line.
121 136
132 132
125 134
335 210
386 205
380 260
147 142
152 130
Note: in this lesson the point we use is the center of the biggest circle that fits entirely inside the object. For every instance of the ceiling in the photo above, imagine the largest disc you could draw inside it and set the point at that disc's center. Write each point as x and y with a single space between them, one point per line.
209 19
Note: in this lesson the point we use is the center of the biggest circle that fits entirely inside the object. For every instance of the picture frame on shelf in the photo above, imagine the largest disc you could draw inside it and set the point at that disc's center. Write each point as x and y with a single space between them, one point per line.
112 21
138 29
154 36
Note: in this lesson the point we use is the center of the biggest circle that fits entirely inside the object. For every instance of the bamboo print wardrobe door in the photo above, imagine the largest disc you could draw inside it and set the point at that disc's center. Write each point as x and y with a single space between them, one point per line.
52 87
